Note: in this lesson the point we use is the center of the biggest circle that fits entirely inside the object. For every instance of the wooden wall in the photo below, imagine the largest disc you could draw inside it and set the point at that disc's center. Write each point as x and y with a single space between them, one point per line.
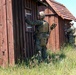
6 33
23 35
16 40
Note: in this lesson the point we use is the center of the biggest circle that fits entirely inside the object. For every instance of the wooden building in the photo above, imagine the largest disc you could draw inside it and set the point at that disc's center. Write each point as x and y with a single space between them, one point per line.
16 37
56 13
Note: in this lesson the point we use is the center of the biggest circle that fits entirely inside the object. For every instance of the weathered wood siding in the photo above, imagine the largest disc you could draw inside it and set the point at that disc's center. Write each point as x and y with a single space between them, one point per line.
23 36
6 33
16 40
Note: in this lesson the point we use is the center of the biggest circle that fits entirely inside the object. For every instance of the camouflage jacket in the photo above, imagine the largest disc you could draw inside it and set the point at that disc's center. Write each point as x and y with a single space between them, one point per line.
39 23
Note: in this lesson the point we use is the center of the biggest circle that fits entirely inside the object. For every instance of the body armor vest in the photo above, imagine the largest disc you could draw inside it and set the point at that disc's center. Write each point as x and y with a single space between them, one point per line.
44 27
42 33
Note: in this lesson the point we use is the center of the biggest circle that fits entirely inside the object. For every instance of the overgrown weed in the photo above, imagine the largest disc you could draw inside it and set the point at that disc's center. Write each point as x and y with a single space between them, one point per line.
59 63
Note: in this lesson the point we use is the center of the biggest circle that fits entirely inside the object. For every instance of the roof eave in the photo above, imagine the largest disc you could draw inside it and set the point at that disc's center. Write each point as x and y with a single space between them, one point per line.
59 14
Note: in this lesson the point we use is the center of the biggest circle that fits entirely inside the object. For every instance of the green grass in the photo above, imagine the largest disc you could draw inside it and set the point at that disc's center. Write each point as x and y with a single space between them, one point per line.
61 63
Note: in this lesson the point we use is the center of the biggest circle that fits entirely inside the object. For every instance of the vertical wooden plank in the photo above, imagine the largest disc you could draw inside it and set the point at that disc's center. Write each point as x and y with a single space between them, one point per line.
22 34
16 19
52 35
52 38
34 17
4 34
21 29
15 22
1 59
18 29
24 29
61 33
57 33
10 32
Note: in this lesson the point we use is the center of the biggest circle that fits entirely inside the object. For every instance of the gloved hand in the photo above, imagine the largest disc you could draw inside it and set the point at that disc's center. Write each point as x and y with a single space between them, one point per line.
53 26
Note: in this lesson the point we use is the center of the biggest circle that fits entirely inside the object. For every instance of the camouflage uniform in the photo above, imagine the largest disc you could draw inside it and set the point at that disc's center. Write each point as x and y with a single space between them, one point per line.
74 38
71 31
41 34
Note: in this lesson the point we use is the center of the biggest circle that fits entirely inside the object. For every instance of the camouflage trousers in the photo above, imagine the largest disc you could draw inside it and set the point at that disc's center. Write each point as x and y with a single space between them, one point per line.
71 40
41 49
75 41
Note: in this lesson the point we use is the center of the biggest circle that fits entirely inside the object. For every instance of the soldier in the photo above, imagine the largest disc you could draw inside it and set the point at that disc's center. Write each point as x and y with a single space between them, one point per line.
74 38
71 31
66 34
41 33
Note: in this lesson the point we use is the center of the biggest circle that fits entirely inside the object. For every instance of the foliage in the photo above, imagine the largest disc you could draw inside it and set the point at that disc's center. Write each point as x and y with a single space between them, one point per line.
60 63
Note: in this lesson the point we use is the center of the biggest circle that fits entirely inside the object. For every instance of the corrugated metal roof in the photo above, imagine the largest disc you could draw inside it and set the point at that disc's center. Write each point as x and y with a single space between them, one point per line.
61 10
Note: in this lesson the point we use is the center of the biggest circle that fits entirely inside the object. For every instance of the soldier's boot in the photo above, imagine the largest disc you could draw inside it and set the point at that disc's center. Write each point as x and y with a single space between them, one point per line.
39 56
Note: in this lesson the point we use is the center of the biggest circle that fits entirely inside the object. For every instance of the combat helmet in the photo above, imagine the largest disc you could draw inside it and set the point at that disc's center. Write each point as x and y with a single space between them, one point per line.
42 14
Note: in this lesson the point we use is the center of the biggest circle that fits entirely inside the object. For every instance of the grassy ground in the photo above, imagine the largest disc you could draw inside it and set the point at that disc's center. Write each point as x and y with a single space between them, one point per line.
61 63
